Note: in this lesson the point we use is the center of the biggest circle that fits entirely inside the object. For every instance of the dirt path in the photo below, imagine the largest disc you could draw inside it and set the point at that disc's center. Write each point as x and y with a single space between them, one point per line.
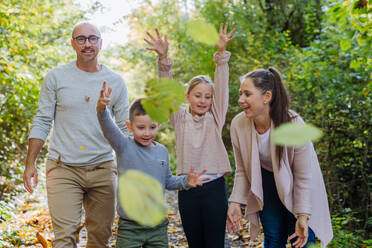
30 216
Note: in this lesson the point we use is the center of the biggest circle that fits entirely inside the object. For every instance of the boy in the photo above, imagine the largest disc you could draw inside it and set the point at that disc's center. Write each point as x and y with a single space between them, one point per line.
144 154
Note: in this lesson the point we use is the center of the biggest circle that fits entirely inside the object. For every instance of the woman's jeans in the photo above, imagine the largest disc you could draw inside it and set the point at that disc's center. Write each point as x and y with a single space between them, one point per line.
278 223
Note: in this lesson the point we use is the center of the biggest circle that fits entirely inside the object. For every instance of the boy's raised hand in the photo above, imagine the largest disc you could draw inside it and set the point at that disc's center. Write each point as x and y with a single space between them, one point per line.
104 97
159 45
194 179
224 38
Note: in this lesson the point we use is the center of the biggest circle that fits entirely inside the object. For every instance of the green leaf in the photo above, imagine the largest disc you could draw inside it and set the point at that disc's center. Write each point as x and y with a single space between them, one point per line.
294 134
361 40
314 246
157 111
203 32
345 44
164 96
354 64
142 198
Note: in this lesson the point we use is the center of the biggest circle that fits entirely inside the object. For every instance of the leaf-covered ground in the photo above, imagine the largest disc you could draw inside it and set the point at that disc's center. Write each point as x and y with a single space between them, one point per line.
30 226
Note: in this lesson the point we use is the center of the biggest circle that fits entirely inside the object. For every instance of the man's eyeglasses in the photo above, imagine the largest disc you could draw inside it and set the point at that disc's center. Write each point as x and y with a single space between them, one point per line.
81 39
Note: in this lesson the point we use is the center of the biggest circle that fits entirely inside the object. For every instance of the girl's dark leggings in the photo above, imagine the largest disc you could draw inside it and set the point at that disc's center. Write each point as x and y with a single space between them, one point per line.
203 213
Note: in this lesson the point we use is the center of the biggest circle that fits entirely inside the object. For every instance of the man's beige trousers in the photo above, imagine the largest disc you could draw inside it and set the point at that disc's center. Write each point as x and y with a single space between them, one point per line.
69 188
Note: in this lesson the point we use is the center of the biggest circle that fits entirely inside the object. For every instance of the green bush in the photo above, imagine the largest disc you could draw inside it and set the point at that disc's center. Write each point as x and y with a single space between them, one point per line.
344 235
34 37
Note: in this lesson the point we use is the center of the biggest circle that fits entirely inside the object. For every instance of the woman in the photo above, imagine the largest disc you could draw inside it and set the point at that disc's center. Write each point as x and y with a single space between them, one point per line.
283 186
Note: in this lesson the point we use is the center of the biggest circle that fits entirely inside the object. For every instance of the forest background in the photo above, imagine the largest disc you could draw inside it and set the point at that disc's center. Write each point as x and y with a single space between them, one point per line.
322 47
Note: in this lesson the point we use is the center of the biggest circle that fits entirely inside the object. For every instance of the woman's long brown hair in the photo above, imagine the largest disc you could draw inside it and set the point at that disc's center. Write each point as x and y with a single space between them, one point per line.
270 80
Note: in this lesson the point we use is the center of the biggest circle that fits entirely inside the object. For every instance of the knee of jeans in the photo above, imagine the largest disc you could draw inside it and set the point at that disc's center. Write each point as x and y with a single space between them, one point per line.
311 238
275 235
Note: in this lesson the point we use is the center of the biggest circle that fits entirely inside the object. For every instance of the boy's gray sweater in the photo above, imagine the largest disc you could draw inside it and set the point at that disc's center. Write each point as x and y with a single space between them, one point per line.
152 160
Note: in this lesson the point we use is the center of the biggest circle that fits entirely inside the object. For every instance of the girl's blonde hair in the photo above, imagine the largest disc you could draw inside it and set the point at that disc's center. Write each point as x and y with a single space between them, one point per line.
197 80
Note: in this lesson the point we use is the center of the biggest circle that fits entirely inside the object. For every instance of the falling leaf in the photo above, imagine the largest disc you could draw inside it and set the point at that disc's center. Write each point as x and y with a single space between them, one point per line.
295 134
59 160
142 198
203 32
164 96
82 147
42 240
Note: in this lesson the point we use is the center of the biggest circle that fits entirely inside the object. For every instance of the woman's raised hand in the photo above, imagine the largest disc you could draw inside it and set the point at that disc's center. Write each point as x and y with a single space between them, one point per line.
104 97
234 217
159 45
224 38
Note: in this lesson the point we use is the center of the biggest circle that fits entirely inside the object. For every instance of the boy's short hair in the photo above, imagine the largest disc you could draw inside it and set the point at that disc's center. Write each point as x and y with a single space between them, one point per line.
136 109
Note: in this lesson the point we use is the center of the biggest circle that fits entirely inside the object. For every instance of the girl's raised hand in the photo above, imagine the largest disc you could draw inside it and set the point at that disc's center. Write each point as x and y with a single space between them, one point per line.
224 38
194 179
104 97
159 45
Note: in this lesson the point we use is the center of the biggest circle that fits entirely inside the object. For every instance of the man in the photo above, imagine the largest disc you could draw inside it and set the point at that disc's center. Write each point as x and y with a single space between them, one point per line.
80 167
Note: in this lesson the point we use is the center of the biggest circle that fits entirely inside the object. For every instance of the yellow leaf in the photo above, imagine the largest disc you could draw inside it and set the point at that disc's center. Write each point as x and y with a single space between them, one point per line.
42 240
203 32
78 232
6 69
365 92
295 134
82 147
142 198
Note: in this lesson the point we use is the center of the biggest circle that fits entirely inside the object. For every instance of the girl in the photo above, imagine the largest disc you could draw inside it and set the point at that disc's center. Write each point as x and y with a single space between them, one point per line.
283 186
199 142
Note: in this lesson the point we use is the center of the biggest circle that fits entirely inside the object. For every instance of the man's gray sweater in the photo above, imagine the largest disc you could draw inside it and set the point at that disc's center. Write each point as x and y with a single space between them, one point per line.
68 98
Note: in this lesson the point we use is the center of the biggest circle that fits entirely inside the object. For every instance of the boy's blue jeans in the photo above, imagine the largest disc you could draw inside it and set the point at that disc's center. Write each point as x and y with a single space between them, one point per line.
278 223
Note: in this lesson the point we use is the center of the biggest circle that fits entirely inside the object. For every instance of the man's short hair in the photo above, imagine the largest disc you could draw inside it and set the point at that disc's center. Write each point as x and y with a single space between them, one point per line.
136 109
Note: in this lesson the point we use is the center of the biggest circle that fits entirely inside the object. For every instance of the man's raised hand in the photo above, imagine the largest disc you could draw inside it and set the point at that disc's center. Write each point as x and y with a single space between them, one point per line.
104 97
159 45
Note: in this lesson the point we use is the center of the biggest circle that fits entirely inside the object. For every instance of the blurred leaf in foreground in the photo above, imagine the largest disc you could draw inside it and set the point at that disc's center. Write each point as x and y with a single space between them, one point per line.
203 32
142 198
164 96
295 134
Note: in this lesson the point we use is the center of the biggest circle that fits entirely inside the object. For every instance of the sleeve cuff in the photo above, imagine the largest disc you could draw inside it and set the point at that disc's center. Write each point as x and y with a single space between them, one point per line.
102 113
222 59
241 201
37 134
302 211
165 64
185 183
